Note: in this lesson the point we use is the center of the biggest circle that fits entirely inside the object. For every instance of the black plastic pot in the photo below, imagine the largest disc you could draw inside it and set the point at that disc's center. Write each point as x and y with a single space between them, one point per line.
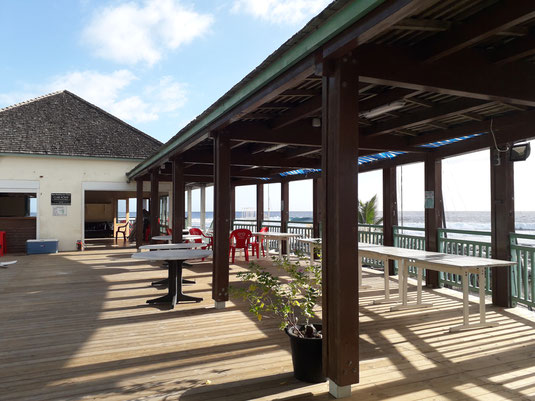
307 357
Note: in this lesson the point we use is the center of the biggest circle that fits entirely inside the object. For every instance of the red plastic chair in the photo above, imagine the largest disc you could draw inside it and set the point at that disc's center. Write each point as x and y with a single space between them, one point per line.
257 243
169 231
198 231
239 239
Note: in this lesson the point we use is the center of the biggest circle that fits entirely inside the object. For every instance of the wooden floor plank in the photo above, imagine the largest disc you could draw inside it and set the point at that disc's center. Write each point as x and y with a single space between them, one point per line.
76 326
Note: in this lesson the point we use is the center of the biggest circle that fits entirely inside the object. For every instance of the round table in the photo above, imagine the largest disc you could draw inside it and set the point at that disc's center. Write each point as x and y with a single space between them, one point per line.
267 235
174 258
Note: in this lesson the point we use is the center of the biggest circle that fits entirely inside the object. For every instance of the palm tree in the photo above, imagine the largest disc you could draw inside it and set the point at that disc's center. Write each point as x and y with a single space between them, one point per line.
368 212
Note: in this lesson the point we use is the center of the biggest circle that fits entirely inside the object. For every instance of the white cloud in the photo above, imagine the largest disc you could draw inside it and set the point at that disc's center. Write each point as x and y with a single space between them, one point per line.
281 11
136 32
116 93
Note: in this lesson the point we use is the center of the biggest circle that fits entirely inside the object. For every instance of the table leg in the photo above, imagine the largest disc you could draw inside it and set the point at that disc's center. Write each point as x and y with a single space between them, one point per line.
267 246
387 298
404 289
311 248
280 248
362 287
466 323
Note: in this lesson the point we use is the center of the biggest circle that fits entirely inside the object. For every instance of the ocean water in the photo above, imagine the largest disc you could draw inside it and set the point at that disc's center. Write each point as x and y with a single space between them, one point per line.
473 221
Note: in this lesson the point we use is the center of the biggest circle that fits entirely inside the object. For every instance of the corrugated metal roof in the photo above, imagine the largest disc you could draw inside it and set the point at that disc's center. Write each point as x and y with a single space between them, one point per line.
438 144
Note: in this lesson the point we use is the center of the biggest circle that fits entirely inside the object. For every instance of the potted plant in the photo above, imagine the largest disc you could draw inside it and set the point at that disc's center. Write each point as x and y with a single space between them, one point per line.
290 298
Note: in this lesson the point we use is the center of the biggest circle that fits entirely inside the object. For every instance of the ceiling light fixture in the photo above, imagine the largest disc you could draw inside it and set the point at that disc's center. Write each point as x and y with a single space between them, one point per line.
398 104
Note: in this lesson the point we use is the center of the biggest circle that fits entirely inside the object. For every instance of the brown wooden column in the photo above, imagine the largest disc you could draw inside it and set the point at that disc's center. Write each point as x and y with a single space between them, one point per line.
285 212
232 194
390 210
259 206
340 227
178 198
154 203
317 185
502 211
139 213
222 191
433 211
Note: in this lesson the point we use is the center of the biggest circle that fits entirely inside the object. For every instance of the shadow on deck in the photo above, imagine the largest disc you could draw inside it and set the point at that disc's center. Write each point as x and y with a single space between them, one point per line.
76 325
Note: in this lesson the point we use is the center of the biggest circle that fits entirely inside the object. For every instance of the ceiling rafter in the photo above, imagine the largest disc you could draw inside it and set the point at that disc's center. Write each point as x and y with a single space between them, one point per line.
487 23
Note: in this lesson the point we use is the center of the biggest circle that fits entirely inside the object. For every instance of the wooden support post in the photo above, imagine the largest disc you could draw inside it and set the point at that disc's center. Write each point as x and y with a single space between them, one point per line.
285 213
154 204
190 208
178 199
232 206
433 212
115 211
317 184
340 225
259 206
502 211
222 189
390 210
139 213
203 207
127 230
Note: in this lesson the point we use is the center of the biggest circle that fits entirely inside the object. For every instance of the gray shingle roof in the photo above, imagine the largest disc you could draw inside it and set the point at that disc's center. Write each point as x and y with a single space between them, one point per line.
64 124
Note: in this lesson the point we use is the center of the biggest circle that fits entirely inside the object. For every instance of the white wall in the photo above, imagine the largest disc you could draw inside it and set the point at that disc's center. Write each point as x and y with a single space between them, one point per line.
65 175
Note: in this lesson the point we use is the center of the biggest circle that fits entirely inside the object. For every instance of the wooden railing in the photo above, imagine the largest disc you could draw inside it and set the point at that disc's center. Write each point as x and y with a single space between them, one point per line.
409 238
371 234
468 243
522 283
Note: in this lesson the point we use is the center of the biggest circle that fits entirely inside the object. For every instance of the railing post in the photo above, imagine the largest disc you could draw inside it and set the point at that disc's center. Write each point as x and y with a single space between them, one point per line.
502 212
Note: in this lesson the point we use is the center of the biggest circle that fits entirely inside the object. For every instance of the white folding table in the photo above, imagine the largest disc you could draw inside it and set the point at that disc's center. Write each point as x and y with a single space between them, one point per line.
313 243
275 236
455 264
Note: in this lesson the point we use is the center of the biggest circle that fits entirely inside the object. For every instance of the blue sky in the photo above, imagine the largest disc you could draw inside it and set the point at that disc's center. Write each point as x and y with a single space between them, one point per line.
157 64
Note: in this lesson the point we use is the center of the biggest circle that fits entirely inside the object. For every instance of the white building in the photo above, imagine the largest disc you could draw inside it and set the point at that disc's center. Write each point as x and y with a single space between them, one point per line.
62 168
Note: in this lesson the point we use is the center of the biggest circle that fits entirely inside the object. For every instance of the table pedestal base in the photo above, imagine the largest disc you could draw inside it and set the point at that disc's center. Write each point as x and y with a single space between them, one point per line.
175 293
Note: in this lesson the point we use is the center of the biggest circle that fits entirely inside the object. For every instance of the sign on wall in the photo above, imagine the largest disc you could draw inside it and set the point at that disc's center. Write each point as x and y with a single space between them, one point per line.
60 198
59 211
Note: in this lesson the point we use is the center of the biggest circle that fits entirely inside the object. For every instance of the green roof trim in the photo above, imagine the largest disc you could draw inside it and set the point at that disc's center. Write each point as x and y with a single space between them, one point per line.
351 13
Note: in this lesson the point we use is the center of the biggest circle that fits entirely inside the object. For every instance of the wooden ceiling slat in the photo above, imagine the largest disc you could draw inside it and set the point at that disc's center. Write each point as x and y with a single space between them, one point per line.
488 22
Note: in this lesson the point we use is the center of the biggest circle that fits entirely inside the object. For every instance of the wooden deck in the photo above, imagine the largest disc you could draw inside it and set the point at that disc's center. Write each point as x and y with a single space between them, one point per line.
76 326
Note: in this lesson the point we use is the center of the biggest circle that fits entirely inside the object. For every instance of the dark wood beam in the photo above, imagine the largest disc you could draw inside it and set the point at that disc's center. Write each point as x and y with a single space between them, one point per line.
178 205
246 157
300 152
300 134
154 204
222 226
373 24
502 212
390 210
259 206
304 110
468 74
396 161
235 172
285 213
422 24
488 22
317 207
433 212
387 97
340 227
139 213
515 50
425 116
511 122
